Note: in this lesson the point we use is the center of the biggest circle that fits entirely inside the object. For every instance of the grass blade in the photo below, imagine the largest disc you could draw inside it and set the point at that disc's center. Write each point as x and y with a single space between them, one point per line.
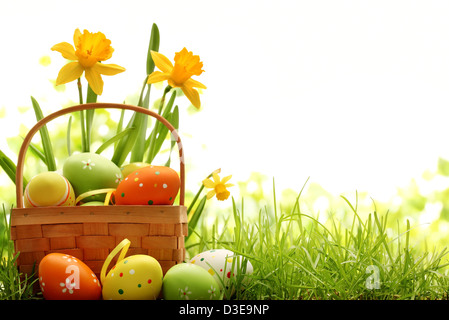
69 132
174 120
9 167
196 216
159 133
126 144
114 139
46 142
91 98
153 46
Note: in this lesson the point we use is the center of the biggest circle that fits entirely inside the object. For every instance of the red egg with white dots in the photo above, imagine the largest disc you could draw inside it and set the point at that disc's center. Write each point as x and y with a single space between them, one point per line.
64 277
152 185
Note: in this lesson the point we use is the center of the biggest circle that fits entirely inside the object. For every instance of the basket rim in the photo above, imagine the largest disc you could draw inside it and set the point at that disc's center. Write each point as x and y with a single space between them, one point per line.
160 214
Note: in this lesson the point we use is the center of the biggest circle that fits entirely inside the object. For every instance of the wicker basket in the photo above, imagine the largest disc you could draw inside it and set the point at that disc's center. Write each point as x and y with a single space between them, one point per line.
91 232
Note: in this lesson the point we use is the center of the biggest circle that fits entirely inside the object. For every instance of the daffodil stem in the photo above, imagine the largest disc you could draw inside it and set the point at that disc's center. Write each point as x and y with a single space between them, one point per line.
140 103
83 128
196 197
80 90
161 106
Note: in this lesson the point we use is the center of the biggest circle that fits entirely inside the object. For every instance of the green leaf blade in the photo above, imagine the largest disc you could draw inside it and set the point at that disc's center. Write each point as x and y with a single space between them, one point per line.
45 137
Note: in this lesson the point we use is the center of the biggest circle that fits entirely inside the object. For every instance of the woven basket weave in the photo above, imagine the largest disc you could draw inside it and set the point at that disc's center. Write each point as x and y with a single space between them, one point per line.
91 232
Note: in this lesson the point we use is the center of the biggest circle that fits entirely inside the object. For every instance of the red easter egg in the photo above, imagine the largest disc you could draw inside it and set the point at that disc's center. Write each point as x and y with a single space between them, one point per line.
64 277
152 185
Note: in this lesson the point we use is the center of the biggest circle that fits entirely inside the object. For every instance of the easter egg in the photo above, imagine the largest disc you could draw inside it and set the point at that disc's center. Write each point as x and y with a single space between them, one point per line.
133 166
151 185
49 189
93 203
137 277
188 281
89 171
64 277
223 265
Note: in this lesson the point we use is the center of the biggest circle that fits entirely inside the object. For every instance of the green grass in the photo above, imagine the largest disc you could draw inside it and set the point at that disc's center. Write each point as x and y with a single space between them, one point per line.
295 256
13 286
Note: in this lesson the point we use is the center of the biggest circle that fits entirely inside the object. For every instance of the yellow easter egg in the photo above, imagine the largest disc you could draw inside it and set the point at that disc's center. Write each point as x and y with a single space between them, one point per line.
131 167
49 189
137 277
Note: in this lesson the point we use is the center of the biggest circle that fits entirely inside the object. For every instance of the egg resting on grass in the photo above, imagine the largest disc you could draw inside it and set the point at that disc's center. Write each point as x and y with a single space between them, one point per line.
137 277
186 281
223 265
64 277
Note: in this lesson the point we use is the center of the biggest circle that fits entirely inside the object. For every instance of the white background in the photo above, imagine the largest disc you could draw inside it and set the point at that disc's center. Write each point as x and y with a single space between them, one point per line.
353 94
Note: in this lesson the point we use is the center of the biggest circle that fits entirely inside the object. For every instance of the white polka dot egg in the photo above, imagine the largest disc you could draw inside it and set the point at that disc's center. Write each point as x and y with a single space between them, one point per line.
137 277
223 265
150 185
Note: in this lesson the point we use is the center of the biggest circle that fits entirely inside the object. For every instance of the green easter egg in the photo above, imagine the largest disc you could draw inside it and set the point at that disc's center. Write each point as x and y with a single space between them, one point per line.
89 171
188 281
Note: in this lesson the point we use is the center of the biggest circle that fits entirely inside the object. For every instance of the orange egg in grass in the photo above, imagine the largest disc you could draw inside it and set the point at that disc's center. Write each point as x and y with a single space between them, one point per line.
151 185
64 277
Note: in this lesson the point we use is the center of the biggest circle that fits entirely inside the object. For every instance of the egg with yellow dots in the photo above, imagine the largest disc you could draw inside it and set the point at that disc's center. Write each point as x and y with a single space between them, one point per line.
49 189
137 277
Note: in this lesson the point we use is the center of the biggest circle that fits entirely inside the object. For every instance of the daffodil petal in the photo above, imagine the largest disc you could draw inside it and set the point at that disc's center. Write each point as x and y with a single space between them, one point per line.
208 183
162 62
71 71
76 36
95 81
210 194
66 49
195 84
108 69
158 76
216 177
227 185
192 95
226 179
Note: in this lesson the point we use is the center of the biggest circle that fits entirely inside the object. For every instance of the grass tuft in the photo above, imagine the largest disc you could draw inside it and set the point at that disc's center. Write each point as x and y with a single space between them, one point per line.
295 256
13 284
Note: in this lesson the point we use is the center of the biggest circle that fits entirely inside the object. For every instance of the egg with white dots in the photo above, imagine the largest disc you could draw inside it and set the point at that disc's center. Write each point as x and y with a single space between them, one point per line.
149 185
224 265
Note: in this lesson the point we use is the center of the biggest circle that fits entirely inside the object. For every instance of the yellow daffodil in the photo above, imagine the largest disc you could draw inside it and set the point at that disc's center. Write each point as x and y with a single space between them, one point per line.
219 187
90 49
179 75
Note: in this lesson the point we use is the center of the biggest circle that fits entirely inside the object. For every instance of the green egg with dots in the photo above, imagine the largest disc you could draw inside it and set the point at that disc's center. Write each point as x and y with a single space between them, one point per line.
137 277
186 281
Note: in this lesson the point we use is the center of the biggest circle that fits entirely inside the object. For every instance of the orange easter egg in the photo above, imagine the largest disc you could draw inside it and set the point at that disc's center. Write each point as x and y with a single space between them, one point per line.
64 277
152 185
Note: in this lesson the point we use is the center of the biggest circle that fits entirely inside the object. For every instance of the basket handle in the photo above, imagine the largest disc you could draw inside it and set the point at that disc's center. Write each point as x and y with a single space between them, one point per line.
88 106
